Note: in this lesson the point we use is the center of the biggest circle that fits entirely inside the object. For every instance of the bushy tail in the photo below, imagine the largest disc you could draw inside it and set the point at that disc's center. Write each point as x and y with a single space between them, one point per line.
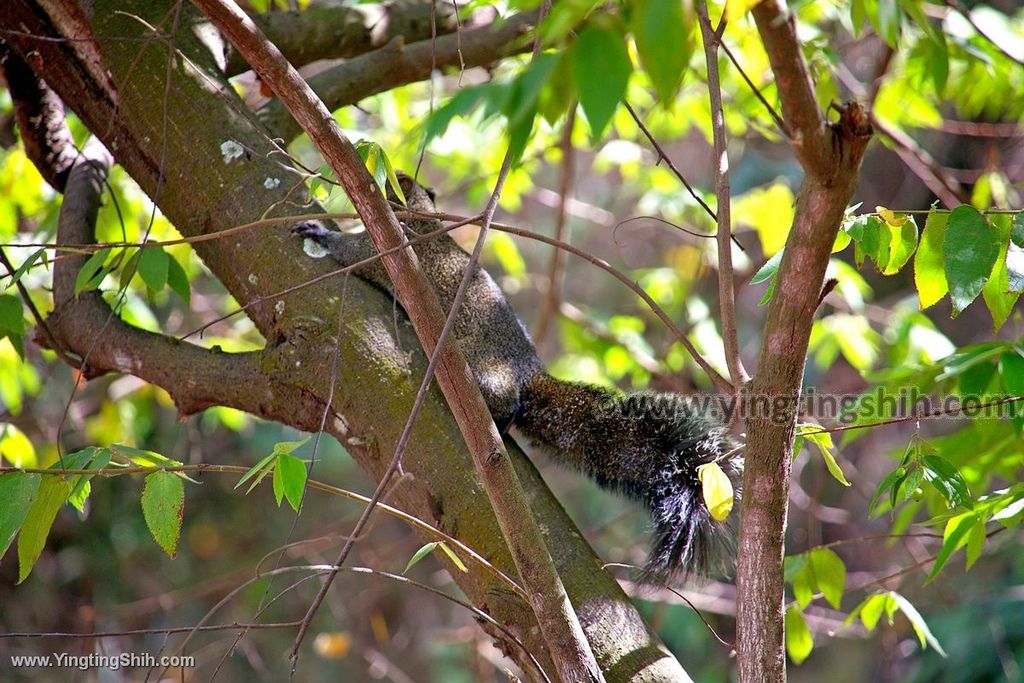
647 446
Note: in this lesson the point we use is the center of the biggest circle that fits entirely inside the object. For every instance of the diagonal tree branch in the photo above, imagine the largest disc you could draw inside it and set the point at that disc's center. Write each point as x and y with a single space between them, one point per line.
559 624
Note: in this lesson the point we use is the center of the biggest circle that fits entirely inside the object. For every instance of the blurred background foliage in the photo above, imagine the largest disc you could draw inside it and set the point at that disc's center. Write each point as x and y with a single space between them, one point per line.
946 88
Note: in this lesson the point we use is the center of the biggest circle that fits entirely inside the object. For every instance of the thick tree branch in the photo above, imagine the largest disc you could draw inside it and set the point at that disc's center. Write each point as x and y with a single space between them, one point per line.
344 32
195 377
830 155
205 193
40 116
397 64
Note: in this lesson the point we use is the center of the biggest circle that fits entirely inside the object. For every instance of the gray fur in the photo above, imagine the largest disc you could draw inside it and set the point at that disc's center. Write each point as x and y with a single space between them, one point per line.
646 445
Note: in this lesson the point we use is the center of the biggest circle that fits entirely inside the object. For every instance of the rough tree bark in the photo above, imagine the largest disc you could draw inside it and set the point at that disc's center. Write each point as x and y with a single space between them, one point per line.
168 136
830 155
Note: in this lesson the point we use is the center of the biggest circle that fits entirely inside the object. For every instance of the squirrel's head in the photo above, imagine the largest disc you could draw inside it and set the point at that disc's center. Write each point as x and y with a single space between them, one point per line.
417 197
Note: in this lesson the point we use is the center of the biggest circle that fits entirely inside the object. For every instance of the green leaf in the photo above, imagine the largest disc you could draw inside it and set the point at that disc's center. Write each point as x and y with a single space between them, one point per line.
799 642
23 268
883 486
664 42
823 442
996 292
12 318
15 447
803 585
290 480
872 609
975 542
903 242
178 280
17 492
829 574
929 266
947 480
289 447
954 536
768 270
142 457
95 459
262 468
420 554
92 271
53 491
1017 231
521 107
460 105
969 253
1011 372
163 507
131 267
924 634
887 21
601 70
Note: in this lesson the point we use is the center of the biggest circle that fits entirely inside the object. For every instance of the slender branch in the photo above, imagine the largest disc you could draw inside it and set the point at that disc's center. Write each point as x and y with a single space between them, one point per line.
204 468
662 156
566 172
965 12
783 128
726 292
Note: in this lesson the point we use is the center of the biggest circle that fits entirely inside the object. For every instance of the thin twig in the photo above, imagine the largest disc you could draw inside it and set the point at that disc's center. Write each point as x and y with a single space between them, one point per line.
561 220
726 291
662 156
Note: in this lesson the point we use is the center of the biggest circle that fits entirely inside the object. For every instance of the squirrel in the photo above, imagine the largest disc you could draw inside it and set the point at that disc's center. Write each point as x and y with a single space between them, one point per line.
645 445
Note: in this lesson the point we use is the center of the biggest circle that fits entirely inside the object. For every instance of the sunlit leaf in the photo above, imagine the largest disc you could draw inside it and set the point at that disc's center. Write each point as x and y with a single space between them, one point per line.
664 41
53 491
419 555
290 480
163 507
717 490
924 634
799 641
17 492
969 253
600 69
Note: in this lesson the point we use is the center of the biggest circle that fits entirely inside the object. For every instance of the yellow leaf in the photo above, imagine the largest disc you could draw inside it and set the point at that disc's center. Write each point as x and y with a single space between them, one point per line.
717 490
333 645
889 216
16 448
734 9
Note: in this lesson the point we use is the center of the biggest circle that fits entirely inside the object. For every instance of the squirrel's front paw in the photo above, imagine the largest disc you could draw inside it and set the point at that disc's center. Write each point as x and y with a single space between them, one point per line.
314 230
